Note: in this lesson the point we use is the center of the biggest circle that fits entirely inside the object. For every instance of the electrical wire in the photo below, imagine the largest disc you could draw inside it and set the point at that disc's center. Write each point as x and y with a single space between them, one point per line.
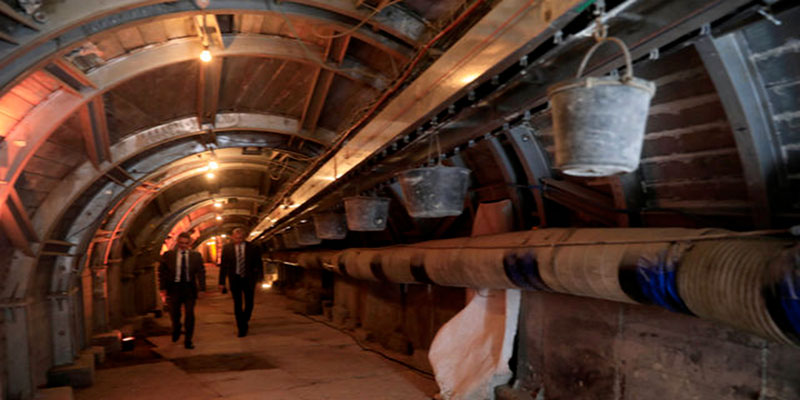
356 27
419 371
312 55
409 69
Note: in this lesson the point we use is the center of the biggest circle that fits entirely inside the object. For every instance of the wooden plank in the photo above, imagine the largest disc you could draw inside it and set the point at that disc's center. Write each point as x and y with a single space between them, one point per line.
14 106
21 18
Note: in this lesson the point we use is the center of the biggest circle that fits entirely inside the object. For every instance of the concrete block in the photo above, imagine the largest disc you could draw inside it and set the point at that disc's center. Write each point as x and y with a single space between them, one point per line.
99 353
111 341
56 393
78 374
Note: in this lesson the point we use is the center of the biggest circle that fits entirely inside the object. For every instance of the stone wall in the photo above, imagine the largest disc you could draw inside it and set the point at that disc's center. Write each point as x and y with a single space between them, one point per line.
579 348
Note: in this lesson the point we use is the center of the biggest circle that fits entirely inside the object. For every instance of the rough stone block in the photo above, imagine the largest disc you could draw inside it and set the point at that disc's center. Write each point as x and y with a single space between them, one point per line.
134 325
78 374
99 353
340 314
351 323
56 393
399 343
111 341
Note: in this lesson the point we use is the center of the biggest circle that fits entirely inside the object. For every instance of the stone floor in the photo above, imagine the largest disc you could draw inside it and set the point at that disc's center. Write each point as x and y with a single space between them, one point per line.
285 356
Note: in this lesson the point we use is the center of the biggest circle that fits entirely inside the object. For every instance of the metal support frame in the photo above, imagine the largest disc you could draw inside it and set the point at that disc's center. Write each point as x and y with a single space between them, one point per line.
534 162
95 131
509 176
17 225
74 21
210 72
501 35
727 58
315 101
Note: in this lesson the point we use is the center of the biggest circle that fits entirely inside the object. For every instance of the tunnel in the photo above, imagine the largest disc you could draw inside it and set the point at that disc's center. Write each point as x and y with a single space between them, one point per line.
423 199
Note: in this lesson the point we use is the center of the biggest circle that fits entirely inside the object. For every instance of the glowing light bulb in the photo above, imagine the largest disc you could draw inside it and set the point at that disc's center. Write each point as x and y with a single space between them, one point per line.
210 175
219 218
224 236
217 204
213 165
205 55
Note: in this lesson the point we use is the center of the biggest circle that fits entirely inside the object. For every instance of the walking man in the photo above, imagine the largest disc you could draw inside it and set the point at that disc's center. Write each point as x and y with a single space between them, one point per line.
241 264
180 273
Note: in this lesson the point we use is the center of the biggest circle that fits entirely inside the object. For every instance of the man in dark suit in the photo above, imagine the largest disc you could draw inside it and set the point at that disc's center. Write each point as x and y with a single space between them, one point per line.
241 264
180 273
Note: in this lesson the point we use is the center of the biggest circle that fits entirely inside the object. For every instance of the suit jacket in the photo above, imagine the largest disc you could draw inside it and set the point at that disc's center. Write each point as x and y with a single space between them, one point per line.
168 266
253 267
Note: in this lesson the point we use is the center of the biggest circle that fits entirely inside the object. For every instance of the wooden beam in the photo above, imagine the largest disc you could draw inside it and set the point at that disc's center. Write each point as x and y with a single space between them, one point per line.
266 184
163 207
94 128
17 225
208 90
6 10
8 38
68 73
315 101
211 32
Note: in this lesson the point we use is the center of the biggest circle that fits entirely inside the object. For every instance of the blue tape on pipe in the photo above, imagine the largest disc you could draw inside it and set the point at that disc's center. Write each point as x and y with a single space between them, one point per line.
656 276
789 289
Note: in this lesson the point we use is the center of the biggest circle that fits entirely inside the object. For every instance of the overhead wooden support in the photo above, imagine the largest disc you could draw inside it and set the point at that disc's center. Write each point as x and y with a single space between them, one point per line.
16 224
73 78
501 35
6 10
266 184
208 90
163 207
209 29
727 59
315 101
94 128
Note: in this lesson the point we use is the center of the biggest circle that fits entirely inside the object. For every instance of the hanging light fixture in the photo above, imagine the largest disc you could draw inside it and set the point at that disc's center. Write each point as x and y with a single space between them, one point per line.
205 55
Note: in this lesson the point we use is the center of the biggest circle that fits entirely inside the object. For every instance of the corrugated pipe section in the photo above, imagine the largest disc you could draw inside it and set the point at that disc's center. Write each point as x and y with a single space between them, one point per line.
750 282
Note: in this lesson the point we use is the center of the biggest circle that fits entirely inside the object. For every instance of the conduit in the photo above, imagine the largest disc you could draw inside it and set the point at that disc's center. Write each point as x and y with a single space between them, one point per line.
713 274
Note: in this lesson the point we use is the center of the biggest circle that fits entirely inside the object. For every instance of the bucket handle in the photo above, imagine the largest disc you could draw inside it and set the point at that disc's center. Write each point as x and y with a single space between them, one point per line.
628 64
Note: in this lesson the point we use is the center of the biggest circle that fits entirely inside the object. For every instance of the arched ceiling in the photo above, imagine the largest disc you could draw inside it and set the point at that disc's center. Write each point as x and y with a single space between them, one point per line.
107 115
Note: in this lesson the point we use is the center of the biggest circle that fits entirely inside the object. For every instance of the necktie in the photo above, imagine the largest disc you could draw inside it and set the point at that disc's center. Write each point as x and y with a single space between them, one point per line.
184 267
240 259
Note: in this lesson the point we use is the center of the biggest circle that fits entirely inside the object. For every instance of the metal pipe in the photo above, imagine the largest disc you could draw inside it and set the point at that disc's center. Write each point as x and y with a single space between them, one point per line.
710 273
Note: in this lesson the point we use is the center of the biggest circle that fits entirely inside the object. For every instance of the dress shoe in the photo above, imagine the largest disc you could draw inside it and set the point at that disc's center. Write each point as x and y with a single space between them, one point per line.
242 333
175 337
188 345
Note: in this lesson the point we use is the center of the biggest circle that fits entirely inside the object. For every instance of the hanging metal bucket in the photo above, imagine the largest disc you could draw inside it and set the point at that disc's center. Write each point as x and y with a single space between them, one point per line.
330 225
307 235
434 192
599 123
365 214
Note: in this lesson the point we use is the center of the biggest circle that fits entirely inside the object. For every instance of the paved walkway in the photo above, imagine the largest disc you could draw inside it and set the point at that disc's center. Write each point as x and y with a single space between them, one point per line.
284 356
